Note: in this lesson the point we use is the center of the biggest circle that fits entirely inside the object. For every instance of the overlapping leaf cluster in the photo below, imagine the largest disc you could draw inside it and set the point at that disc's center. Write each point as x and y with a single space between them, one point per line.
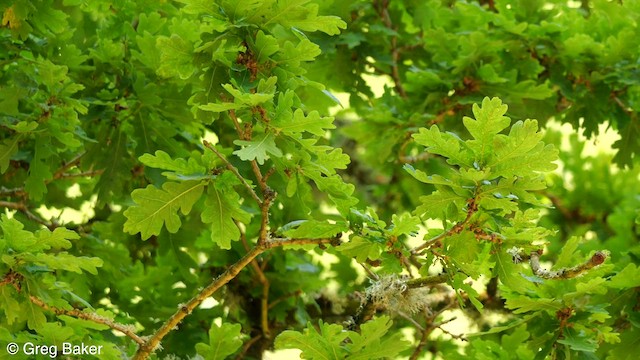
332 342
104 106
34 264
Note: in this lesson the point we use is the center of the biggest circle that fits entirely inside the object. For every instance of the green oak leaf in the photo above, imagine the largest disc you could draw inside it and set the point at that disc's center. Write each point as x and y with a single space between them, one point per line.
266 45
362 249
404 224
522 304
258 148
312 123
490 120
39 169
578 340
322 345
629 277
373 341
221 209
157 207
434 205
15 237
176 57
162 160
224 340
64 261
508 272
304 15
446 144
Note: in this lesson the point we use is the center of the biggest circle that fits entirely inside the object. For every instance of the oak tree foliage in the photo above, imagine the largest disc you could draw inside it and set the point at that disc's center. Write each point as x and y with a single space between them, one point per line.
344 178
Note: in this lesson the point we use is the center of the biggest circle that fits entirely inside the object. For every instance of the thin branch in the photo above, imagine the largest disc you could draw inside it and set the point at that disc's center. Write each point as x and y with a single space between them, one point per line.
234 170
457 228
411 320
71 163
427 281
247 346
284 297
128 330
280 242
13 278
269 195
404 159
256 171
4 192
395 51
246 135
23 208
566 273
370 273
12 205
264 300
626 109
430 326
81 174
59 174
454 336
423 342
144 350
152 343
236 124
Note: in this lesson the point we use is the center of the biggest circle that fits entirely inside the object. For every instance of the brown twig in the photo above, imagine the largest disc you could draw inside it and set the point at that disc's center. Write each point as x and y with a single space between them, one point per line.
153 342
457 228
427 281
23 208
269 195
566 273
71 163
404 159
59 174
248 345
395 51
454 336
430 326
13 278
81 174
264 301
128 330
423 342
12 192
236 124
370 273
284 297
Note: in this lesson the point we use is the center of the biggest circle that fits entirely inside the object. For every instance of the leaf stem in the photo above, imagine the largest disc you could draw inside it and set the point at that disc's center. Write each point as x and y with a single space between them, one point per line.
234 170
